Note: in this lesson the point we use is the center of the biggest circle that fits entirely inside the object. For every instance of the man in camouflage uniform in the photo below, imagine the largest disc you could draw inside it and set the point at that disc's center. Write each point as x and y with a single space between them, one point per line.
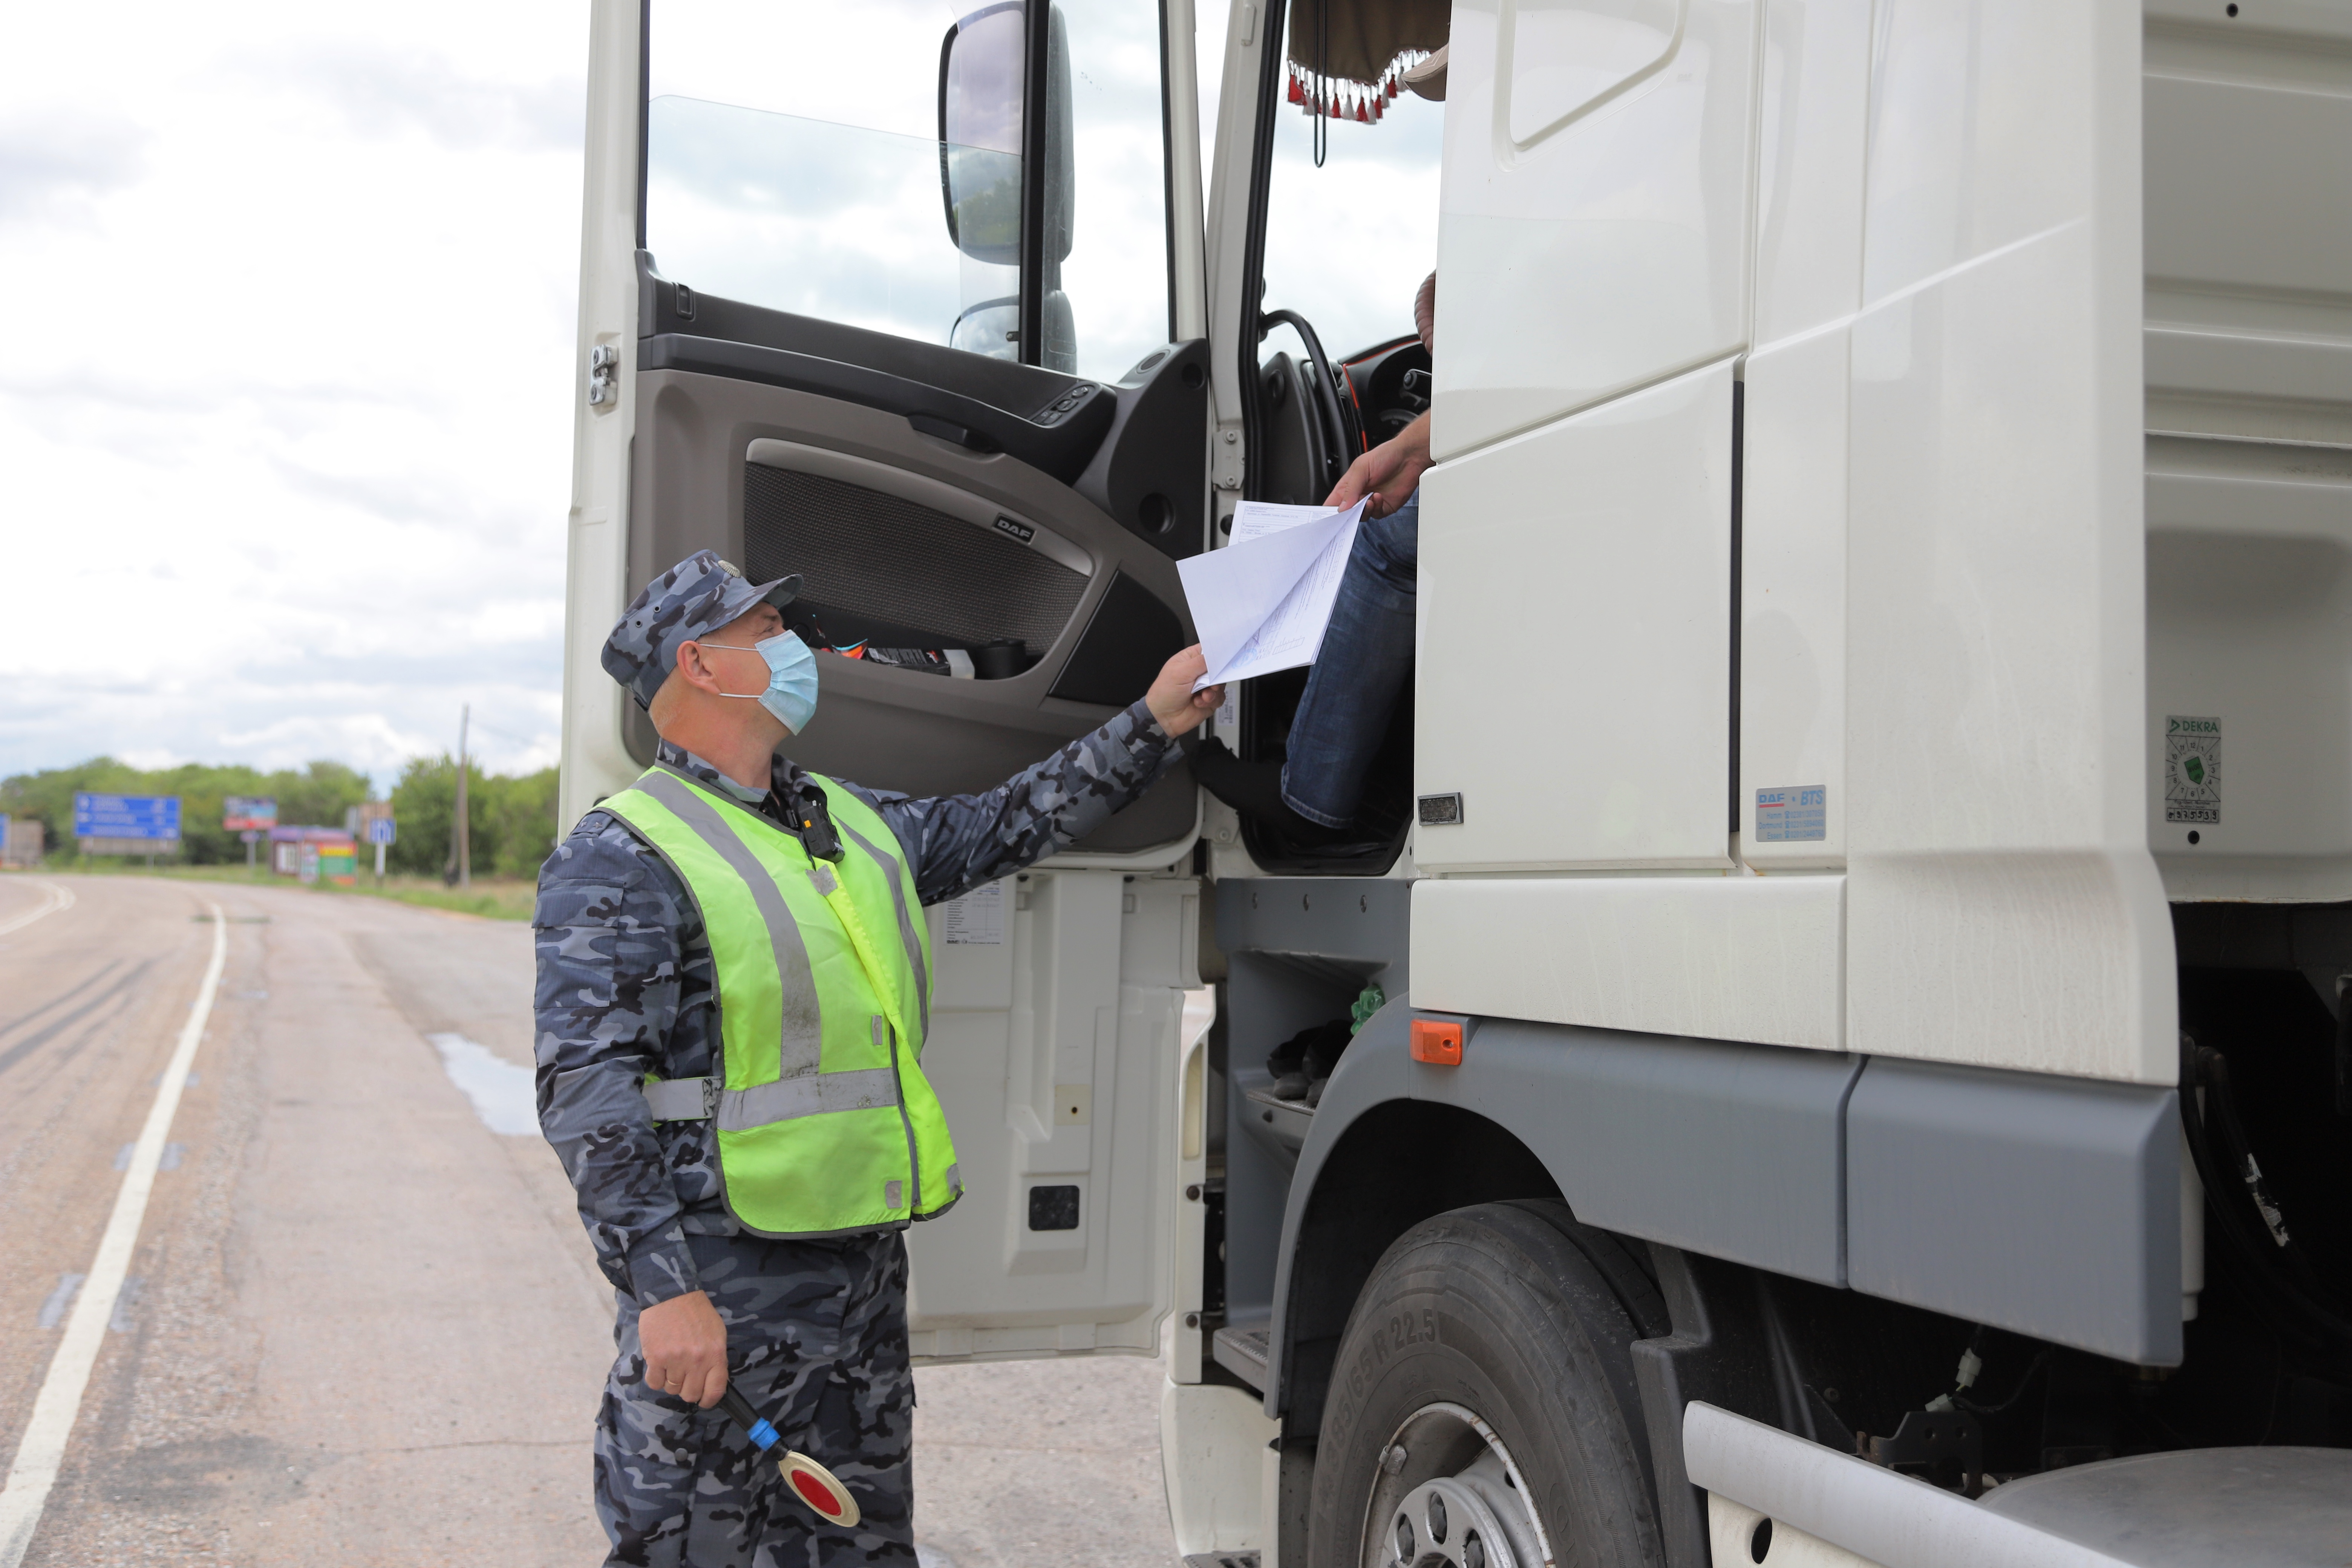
811 1331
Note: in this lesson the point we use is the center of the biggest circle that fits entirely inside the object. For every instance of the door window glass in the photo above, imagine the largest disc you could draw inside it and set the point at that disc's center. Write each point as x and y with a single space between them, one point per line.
1347 244
1116 271
795 159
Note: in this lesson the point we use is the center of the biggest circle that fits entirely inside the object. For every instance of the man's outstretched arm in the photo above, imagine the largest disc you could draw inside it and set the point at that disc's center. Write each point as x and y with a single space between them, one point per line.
958 841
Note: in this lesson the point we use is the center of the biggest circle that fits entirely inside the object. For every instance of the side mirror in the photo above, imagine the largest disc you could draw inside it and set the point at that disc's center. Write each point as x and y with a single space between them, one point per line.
982 62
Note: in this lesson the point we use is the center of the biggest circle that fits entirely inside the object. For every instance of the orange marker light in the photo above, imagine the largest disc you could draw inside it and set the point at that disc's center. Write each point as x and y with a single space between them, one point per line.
1437 1041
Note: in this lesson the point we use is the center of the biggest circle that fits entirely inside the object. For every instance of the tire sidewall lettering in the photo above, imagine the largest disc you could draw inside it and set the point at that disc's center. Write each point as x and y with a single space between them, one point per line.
1409 1328
1413 1330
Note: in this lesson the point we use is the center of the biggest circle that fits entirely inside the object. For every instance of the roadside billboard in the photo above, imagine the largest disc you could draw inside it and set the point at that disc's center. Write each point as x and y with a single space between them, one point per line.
247 812
126 824
290 848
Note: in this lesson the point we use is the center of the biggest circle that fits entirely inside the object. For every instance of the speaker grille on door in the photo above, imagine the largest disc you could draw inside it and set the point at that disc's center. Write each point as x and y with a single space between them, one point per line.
876 555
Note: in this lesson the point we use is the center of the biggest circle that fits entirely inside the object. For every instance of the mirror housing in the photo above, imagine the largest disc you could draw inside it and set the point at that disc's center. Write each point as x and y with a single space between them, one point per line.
982 64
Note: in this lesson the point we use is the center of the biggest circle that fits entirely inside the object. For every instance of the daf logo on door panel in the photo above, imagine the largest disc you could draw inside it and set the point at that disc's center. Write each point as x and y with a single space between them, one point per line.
1020 530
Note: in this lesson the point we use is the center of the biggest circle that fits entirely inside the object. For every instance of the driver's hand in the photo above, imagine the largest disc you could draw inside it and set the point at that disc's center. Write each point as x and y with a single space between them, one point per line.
1390 472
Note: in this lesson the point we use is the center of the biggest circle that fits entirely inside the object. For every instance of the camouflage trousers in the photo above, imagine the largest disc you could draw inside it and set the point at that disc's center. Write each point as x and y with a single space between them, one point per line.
817 1340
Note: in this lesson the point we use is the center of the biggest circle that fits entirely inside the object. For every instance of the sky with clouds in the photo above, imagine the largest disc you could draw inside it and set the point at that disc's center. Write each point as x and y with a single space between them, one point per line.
286 417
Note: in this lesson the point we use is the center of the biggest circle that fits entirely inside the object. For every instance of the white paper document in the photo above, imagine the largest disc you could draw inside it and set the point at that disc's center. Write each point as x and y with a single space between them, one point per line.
1261 603
977 919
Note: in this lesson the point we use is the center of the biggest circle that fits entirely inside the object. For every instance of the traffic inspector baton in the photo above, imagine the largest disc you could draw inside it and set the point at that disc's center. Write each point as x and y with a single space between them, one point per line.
811 1482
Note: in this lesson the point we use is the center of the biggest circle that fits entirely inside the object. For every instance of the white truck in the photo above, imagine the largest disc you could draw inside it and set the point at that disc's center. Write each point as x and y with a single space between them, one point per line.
1853 924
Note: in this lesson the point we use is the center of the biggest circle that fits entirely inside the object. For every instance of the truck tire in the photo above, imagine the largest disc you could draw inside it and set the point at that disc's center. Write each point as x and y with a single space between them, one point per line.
1483 1411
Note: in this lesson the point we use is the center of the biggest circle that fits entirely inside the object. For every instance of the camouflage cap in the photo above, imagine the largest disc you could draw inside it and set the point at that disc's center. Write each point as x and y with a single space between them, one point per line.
692 599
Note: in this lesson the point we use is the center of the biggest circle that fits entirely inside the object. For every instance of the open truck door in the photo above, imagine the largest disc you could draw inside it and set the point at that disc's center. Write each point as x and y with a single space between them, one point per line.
917 317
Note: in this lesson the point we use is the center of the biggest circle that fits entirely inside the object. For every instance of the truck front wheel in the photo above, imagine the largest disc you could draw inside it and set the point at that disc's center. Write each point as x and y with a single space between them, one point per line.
1483 1411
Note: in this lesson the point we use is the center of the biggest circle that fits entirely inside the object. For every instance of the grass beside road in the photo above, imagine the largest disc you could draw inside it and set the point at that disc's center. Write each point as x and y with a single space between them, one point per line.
502 899
498 897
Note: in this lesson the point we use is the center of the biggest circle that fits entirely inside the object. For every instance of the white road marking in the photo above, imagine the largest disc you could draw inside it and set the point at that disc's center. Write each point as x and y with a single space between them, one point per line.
502 1093
43 1447
56 896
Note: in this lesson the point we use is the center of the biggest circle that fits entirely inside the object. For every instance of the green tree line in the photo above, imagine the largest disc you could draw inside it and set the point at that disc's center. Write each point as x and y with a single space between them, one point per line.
513 817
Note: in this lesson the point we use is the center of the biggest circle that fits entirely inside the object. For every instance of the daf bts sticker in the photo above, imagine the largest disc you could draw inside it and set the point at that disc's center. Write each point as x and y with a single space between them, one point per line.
2192 769
1794 813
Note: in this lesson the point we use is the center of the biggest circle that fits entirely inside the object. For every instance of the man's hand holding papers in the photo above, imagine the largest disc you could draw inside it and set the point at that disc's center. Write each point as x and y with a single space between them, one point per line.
1261 603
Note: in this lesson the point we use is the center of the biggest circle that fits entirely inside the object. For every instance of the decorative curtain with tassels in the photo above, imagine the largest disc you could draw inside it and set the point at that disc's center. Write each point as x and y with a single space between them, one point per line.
1346 57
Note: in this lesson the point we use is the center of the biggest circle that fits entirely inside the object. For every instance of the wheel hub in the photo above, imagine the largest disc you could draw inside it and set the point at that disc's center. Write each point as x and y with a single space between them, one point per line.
1449 1497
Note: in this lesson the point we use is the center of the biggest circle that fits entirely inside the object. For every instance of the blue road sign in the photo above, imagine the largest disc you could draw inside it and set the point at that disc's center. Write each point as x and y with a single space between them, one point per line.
380 830
155 817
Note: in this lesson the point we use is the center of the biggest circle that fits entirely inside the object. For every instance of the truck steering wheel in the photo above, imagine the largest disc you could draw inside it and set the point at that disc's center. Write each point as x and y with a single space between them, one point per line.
1336 417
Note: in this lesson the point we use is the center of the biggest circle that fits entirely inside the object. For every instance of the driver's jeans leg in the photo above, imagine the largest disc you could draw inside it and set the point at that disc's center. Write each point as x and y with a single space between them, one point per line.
1367 654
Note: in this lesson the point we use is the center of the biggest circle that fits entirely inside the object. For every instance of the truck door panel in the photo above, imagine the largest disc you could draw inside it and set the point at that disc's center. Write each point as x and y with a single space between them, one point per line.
834 499
937 297
833 380
1056 1052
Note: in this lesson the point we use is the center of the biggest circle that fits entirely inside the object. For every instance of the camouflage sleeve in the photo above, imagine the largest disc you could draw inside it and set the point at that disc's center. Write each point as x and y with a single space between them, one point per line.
958 841
609 929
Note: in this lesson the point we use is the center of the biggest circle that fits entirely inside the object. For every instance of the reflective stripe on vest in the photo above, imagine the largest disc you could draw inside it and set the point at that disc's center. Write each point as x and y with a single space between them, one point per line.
801 1038
906 926
824 1120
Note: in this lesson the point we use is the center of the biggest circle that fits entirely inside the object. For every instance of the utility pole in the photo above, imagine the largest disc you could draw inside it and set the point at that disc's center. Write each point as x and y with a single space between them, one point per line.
461 828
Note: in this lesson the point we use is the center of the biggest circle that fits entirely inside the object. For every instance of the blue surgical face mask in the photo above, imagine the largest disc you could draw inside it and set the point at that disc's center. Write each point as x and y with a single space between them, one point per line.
791 679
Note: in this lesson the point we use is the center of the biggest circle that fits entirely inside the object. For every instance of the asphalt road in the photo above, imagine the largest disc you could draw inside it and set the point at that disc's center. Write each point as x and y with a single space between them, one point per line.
362 1324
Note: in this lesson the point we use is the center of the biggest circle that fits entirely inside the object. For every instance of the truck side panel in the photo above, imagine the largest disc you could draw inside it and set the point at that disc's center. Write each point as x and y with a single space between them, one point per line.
2003 909
1812 111
1941 659
2049 1206
1750 958
2248 363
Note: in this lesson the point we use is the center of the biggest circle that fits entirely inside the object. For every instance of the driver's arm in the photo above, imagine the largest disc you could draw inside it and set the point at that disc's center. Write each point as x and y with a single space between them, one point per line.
1392 471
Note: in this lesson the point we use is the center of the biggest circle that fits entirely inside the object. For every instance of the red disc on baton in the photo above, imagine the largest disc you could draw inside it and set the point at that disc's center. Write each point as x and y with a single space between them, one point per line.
820 1489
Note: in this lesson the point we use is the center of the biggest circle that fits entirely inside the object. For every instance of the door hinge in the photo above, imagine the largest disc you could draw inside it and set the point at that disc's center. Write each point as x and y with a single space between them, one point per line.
1226 458
604 375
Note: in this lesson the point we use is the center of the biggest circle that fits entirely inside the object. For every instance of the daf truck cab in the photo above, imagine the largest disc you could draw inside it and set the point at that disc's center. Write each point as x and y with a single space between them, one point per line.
1830 1045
